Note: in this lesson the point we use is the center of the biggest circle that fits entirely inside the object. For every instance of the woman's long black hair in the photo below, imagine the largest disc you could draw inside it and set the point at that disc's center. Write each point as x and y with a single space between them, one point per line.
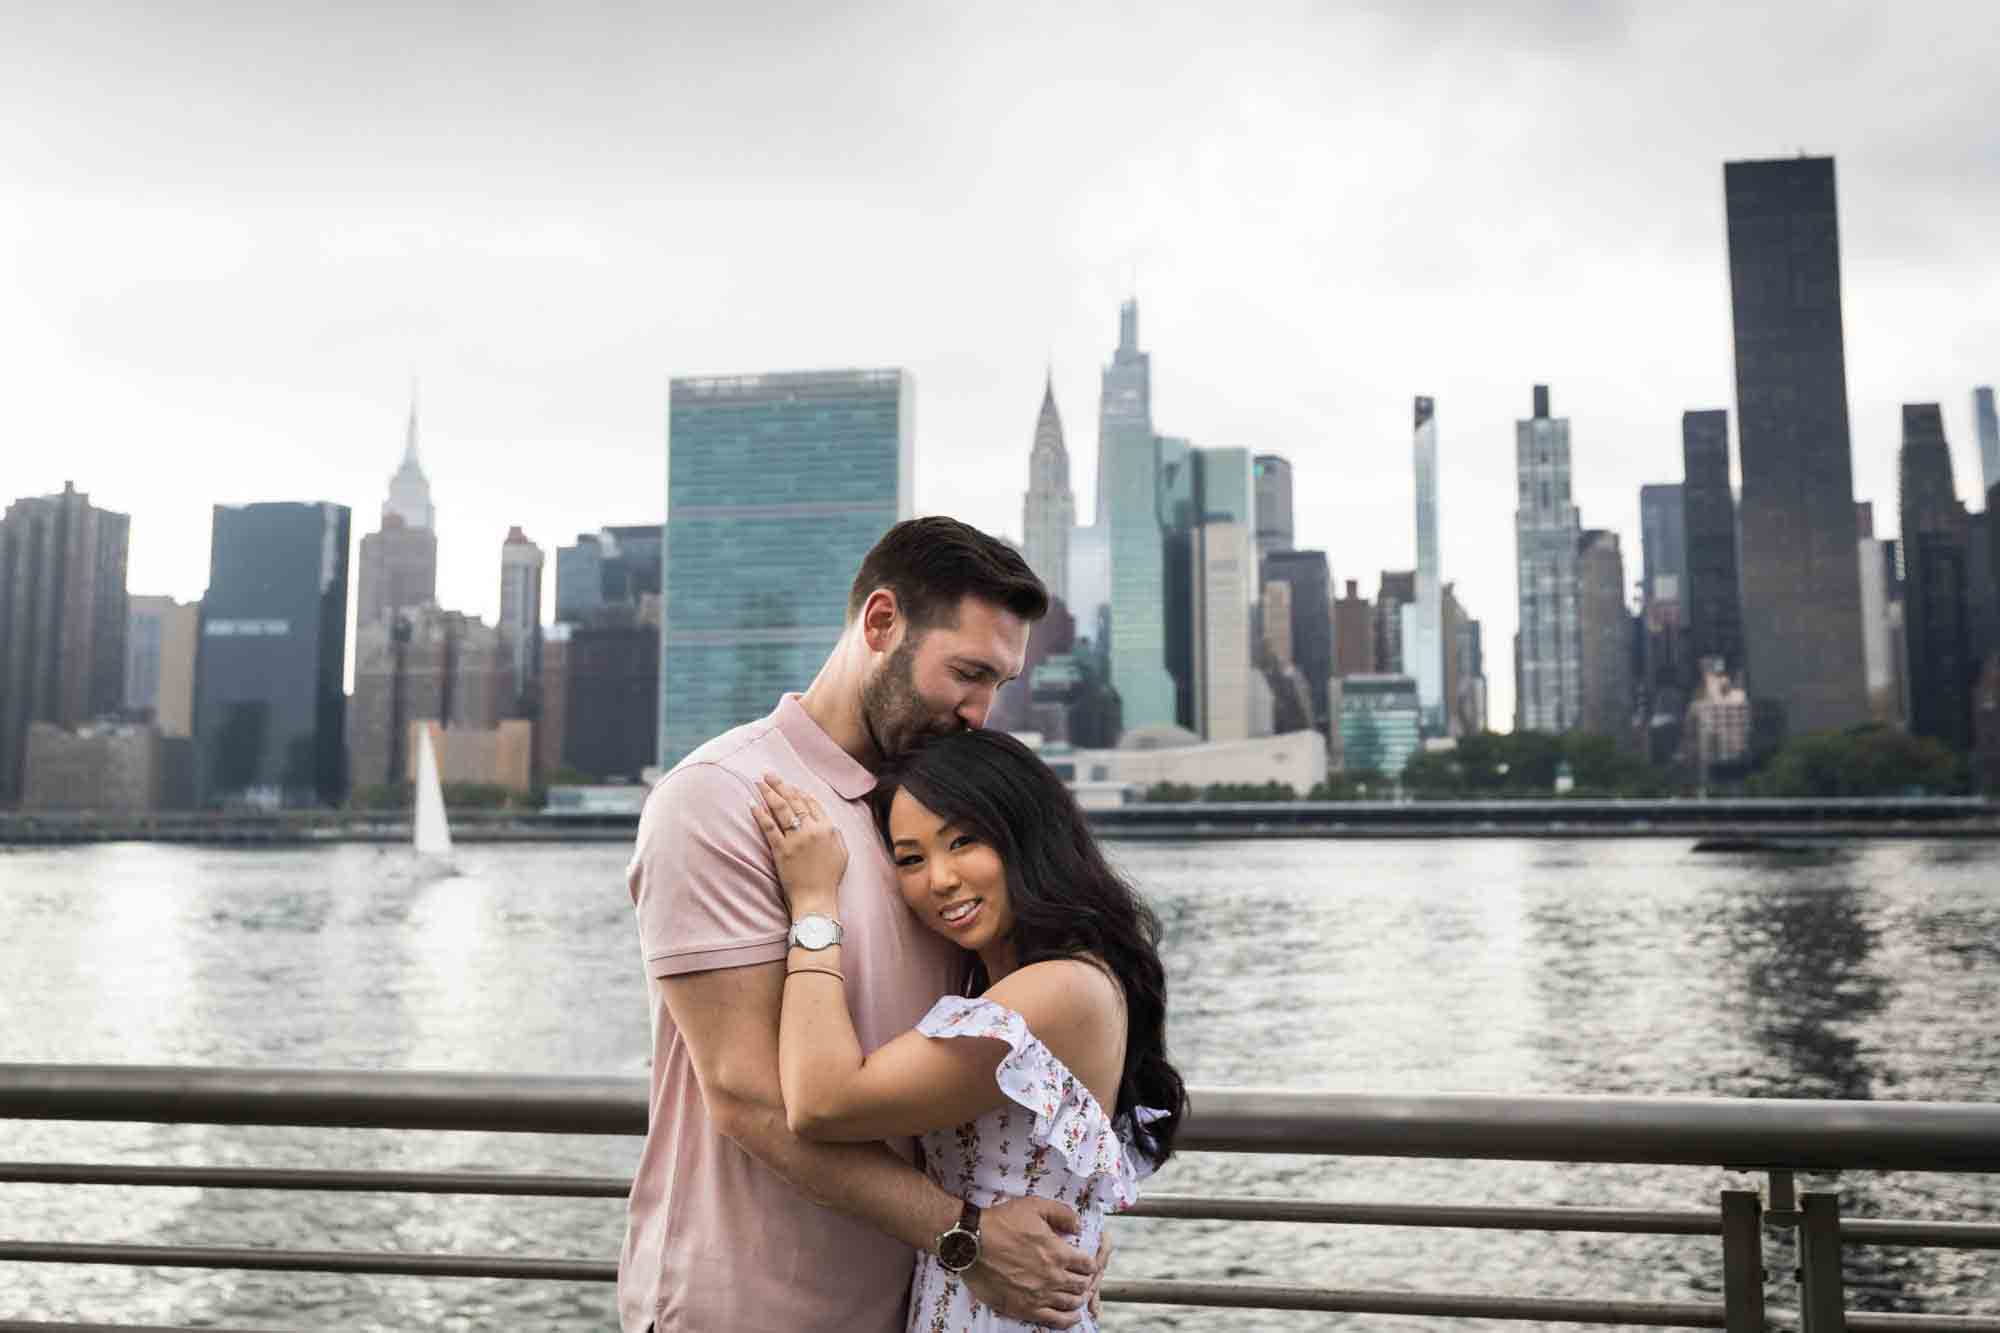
1067 900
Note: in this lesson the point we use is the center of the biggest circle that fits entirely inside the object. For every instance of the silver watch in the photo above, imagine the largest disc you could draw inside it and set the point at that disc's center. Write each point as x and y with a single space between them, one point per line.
814 931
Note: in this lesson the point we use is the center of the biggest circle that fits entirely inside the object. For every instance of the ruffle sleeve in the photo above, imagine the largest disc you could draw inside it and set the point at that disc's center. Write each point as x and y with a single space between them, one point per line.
1067 1115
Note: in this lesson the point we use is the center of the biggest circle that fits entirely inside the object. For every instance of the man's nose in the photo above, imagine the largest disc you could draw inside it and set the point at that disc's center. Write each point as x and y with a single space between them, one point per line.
973 709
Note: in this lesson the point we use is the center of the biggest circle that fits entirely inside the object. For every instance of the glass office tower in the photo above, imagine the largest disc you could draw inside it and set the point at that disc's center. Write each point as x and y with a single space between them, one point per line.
777 486
1128 508
270 703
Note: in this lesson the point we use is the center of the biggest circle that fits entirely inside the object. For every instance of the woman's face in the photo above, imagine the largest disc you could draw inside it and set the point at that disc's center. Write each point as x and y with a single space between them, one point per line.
955 883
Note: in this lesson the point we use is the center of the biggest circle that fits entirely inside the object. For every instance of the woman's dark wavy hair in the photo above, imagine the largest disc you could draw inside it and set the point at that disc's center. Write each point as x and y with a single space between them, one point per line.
1067 899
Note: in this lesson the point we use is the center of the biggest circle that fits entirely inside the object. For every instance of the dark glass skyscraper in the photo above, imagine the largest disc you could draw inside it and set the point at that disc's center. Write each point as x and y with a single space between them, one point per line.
1312 622
1934 582
269 712
1708 506
1801 580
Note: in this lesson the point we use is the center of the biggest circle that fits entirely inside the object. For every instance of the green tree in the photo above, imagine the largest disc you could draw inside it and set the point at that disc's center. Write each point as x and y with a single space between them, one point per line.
1869 760
1172 793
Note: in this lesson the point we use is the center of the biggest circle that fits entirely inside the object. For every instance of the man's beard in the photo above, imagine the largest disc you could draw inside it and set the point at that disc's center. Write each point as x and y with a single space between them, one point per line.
893 712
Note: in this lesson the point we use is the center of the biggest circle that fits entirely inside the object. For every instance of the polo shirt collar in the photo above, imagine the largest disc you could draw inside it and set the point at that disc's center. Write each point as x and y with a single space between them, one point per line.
822 754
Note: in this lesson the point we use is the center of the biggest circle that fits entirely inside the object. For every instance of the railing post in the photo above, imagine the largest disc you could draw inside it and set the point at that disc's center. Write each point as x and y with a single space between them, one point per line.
1742 1261
1822 1304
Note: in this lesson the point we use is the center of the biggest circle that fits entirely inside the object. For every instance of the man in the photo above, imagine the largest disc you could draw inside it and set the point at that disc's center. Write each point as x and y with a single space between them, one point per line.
734 1223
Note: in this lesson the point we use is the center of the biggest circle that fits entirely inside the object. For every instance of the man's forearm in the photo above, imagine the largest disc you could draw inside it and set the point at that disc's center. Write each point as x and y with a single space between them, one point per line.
865 1181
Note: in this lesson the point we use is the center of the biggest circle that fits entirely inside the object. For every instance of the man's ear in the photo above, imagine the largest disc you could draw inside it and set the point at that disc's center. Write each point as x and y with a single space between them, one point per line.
881 620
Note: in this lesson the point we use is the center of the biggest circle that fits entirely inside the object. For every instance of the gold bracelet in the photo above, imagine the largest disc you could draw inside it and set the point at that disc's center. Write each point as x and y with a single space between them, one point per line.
823 971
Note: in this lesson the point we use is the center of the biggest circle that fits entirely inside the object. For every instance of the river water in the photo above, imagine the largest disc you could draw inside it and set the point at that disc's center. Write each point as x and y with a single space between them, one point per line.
1454 965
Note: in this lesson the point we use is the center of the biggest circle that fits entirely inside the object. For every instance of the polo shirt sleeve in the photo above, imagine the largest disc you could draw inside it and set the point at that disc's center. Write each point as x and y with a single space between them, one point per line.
702 879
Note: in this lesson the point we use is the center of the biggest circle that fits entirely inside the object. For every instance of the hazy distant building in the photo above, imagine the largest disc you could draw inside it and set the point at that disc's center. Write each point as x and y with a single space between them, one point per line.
1471 704
1987 423
1127 506
1423 620
1662 536
1397 590
777 486
1986 724
1231 700
1353 633
160 639
423 664
1310 606
1604 637
62 619
1048 510
1380 724
1881 623
613 567
1801 598
269 705
1708 506
501 755
1274 504
520 627
614 693
1547 535
108 766
398 562
1934 582
1089 597
1718 725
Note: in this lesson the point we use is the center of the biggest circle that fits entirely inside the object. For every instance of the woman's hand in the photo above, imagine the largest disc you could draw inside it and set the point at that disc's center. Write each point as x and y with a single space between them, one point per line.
811 854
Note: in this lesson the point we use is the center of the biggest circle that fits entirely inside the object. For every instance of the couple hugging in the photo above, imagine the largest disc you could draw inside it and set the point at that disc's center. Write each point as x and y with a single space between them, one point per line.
908 1025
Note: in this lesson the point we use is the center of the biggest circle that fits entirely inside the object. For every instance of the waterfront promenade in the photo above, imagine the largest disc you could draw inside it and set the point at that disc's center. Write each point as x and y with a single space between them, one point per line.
1722 818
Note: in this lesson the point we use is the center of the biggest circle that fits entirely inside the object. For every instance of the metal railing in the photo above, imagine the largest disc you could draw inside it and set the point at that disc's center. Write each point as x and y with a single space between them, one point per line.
1773 1137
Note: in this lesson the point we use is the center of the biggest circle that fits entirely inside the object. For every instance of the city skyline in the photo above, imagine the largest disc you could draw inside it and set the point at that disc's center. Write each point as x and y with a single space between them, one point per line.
1307 261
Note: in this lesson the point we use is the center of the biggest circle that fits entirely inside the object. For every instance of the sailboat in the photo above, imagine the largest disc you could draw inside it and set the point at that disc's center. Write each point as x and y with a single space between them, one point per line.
433 830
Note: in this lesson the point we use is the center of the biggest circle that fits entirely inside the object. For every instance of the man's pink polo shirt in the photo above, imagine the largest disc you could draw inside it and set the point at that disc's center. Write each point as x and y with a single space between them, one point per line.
715 1240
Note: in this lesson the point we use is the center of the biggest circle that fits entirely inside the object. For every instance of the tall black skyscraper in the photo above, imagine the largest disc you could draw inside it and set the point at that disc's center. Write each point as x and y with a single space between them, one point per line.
1312 621
1713 606
269 707
1801 579
1934 582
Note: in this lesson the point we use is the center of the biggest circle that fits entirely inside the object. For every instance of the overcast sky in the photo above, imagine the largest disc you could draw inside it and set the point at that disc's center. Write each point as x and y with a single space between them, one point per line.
234 232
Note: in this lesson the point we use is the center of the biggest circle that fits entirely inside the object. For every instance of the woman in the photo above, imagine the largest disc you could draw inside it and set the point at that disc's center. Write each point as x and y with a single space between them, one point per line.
1049 1074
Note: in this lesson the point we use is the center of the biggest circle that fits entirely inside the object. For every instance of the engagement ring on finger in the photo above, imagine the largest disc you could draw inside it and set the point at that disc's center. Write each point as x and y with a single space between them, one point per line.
793 826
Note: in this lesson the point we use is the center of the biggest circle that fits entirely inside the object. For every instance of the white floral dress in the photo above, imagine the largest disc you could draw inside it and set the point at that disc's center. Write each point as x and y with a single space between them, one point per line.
1051 1139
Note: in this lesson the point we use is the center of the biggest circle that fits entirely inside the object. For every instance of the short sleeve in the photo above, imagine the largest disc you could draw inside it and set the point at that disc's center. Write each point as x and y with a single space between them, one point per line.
701 877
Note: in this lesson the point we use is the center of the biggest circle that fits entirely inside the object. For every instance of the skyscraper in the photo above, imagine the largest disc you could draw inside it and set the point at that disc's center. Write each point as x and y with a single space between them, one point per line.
1353 633
1396 591
1312 631
399 559
1274 504
1663 540
1714 605
1048 511
1989 436
1128 507
160 644
1423 620
1604 637
777 486
1801 593
269 707
520 626
1665 669
1547 533
1934 589
1222 578
62 620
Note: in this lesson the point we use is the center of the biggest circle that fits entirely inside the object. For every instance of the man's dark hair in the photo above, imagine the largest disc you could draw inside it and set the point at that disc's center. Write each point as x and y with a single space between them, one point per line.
932 563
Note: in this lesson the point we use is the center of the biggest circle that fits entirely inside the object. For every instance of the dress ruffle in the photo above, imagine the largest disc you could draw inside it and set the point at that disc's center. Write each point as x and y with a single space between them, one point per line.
1067 1116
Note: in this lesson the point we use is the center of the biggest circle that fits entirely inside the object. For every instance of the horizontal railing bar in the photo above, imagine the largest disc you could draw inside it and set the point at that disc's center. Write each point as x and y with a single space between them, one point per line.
265 1259
1897 1323
1193 1207
1741 1133
39 1325
1921 1235
1239 1295
360 1182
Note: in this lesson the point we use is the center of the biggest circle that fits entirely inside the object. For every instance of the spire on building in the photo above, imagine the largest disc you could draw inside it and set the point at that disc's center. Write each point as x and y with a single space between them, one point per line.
409 490
1049 508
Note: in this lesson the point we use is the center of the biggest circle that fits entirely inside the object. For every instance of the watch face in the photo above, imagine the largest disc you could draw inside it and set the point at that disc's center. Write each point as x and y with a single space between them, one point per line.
957 1250
814 932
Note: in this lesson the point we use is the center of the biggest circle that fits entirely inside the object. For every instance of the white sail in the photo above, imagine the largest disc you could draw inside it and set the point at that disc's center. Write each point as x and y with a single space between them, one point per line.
433 833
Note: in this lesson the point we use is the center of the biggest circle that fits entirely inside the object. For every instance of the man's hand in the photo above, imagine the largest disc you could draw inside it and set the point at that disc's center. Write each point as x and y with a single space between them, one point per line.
1026 1269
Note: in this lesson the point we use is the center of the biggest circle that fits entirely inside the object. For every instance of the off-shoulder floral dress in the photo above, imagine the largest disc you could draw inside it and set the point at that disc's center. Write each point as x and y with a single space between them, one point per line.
1051 1139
